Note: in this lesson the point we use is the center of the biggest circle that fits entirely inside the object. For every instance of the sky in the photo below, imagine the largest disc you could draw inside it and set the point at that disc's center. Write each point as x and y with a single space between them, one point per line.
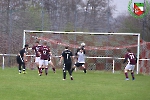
122 6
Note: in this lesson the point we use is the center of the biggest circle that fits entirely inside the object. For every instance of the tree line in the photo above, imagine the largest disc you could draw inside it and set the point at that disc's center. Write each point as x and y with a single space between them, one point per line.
63 15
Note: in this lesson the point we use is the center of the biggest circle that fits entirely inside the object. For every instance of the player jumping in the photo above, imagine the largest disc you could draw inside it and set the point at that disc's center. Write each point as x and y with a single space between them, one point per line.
80 58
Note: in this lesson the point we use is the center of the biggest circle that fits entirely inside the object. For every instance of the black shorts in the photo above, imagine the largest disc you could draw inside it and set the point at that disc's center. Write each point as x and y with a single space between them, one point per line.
79 64
19 60
67 66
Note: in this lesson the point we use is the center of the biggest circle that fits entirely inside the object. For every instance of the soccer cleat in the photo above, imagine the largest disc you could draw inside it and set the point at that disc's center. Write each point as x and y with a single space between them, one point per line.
71 78
64 79
19 72
127 79
24 72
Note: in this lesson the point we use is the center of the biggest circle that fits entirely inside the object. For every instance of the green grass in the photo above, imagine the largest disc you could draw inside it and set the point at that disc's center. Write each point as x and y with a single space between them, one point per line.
95 85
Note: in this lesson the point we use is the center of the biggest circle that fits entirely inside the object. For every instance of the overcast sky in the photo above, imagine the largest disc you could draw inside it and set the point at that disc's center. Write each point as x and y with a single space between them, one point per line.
122 5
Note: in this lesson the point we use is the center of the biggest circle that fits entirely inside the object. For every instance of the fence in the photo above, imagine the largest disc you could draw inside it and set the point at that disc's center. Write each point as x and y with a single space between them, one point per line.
94 66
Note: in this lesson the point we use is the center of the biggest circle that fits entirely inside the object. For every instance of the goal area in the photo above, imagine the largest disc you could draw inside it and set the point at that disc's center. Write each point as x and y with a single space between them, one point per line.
104 51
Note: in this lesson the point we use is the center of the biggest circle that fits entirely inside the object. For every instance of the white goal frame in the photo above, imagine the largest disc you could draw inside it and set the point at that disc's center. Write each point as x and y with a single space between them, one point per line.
93 33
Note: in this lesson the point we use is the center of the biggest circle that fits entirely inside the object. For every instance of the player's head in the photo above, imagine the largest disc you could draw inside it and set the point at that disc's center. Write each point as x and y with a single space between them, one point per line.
128 50
26 46
81 49
44 43
37 42
66 47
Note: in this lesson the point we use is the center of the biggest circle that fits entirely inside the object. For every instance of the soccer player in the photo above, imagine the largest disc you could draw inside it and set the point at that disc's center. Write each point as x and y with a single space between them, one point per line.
131 64
37 56
21 59
80 57
51 63
44 52
67 56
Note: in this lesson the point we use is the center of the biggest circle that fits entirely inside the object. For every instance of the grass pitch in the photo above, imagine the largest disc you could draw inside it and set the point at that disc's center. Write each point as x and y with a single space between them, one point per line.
95 85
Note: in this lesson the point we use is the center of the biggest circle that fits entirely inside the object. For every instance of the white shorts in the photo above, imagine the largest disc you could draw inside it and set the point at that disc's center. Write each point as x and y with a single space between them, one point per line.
37 59
130 67
43 63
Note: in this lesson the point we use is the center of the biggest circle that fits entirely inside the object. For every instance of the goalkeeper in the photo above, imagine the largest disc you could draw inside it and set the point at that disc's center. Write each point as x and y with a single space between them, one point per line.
80 58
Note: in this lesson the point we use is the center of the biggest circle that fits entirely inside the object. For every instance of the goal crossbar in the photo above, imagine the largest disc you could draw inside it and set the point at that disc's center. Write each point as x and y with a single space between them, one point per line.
90 33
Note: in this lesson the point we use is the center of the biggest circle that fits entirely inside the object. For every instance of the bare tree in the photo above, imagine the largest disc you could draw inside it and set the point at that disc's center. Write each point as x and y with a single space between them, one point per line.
129 24
56 15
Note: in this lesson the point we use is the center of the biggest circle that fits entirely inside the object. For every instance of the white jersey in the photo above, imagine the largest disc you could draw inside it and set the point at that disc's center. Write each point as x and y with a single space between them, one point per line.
81 57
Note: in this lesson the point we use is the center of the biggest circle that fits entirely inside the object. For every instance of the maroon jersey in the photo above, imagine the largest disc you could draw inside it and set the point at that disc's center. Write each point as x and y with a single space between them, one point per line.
131 58
36 50
44 51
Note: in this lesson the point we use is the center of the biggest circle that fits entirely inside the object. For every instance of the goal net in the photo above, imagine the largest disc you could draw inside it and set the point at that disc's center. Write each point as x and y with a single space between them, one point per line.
101 48
104 51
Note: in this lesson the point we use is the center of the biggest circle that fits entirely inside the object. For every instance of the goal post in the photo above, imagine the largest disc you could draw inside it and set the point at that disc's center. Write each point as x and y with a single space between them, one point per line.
99 45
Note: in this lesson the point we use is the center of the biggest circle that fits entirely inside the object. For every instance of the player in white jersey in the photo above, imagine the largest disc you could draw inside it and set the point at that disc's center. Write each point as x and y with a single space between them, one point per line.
80 59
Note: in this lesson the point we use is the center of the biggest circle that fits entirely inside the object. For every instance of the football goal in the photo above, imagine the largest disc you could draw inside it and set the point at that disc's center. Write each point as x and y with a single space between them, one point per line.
104 51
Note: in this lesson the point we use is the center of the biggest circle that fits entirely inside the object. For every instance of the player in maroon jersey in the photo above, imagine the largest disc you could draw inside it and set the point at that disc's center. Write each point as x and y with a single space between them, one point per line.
37 56
131 64
44 52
